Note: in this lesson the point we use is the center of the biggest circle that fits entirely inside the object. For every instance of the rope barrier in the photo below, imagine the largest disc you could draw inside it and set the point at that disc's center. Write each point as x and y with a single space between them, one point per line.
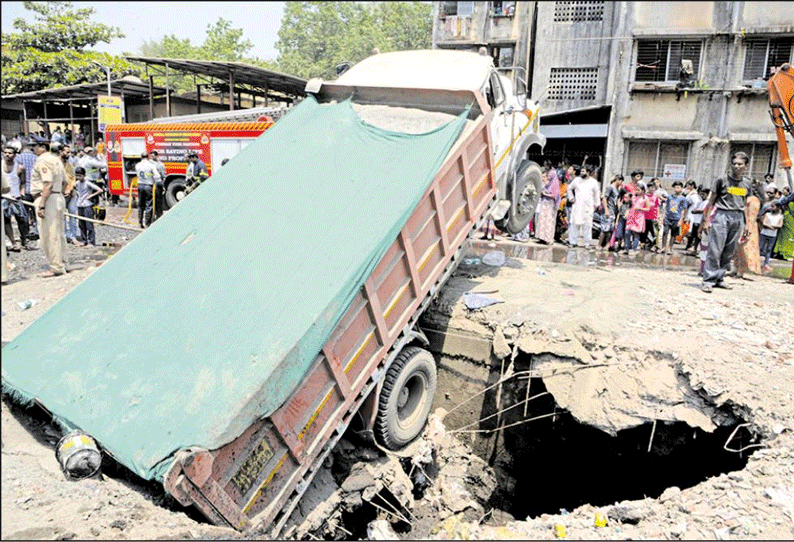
29 204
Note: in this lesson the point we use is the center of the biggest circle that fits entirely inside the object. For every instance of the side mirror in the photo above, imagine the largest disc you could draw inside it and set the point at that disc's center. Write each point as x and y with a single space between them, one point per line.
342 68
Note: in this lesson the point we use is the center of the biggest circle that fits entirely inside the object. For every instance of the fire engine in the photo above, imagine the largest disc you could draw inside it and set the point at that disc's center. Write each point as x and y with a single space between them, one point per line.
214 137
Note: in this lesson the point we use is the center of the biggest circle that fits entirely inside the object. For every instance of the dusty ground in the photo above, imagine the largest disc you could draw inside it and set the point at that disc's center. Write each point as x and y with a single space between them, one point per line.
655 347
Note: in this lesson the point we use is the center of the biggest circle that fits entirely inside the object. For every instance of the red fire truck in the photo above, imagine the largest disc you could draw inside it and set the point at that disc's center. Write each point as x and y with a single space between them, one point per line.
211 136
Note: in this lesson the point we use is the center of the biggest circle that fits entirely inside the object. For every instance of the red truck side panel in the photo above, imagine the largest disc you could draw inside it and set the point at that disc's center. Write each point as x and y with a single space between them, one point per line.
257 479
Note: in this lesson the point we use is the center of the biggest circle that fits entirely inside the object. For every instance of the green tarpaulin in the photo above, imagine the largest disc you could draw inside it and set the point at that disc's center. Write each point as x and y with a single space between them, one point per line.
209 319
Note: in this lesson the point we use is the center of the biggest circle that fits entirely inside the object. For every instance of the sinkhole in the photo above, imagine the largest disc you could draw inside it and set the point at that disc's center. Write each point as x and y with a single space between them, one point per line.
556 462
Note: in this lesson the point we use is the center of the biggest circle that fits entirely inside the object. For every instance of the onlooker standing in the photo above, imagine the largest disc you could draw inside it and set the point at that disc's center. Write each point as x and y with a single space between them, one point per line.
86 190
147 175
47 182
692 200
586 199
549 202
14 208
26 159
771 219
674 210
609 201
159 188
620 223
69 194
5 187
728 197
91 163
747 258
649 235
635 221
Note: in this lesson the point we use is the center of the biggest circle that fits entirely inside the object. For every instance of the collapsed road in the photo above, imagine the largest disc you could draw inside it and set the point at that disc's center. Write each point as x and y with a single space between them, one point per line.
581 402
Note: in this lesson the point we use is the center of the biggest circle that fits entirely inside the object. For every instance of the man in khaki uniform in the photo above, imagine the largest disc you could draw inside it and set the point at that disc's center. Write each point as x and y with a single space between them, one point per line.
47 182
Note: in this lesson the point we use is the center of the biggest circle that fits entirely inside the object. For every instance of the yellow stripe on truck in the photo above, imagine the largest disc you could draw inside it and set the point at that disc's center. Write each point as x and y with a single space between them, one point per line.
520 131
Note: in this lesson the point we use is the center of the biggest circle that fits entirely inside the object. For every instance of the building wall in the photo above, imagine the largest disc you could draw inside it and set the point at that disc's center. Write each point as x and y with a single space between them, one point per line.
488 26
587 54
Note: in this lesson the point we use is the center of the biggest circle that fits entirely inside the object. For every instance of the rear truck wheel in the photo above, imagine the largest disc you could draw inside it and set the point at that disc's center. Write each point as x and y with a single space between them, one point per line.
405 398
174 192
529 185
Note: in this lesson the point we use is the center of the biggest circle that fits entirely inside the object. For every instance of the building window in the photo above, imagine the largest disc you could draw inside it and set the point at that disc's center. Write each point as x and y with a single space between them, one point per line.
763 55
503 9
662 159
503 56
762 158
660 60
459 9
577 12
573 83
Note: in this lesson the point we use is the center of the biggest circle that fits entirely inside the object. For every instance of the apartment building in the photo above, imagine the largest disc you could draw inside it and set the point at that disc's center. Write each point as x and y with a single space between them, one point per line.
672 88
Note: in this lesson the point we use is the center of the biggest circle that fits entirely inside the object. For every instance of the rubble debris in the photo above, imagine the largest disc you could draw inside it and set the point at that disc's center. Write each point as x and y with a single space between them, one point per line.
476 301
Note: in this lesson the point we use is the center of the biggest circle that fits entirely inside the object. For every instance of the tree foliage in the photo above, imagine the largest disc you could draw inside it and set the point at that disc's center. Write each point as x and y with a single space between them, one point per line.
315 37
51 51
221 42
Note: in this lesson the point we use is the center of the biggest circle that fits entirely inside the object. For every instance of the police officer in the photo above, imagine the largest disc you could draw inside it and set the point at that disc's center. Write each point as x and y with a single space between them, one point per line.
47 182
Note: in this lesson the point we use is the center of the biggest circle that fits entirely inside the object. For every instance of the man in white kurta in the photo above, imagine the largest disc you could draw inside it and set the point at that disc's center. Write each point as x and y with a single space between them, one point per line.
586 198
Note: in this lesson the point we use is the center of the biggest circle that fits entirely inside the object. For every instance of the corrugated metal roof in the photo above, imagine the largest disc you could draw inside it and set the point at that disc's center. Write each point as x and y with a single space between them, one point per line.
129 86
245 74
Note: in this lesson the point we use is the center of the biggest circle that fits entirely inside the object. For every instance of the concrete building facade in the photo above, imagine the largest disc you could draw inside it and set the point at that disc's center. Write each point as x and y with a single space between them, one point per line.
610 82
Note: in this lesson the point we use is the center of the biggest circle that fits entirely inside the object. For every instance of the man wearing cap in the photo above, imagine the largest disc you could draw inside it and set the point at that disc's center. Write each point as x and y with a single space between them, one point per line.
147 177
47 182
91 164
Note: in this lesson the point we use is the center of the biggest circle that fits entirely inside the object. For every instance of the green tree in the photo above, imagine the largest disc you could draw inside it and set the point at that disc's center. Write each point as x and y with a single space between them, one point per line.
51 51
221 42
224 42
315 37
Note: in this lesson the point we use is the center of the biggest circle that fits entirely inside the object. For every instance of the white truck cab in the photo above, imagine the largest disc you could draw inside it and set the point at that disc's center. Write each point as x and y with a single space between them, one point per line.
514 126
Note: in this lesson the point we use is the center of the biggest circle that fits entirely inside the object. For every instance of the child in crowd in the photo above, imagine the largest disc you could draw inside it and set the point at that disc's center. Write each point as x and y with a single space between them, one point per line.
635 221
704 238
674 209
620 225
770 220
693 198
86 190
650 231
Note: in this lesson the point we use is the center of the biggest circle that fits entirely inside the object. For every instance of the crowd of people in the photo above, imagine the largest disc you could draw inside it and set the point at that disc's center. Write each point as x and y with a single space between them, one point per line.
637 214
46 183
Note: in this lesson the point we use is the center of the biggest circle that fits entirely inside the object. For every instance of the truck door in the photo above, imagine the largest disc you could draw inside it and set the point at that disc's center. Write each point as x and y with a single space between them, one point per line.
500 129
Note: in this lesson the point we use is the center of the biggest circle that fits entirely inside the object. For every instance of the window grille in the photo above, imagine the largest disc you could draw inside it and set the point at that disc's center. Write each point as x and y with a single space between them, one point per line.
660 60
652 156
762 158
450 9
763 54
573 83
577 12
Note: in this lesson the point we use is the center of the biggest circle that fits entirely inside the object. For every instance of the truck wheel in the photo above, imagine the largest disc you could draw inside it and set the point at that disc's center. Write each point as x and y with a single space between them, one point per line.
174 192
406 398
529 185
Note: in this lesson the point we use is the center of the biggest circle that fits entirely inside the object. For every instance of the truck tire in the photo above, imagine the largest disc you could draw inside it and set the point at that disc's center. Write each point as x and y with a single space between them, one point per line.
174 192
406 398
529 185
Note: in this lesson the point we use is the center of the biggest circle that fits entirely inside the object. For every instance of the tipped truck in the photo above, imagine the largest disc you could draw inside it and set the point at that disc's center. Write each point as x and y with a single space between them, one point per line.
233 392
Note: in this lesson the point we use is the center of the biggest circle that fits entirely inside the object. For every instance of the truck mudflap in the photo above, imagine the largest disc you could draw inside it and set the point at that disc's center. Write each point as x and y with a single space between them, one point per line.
255 481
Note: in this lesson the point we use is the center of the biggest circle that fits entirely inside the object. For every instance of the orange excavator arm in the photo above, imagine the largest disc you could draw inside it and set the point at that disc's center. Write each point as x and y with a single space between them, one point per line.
781 108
